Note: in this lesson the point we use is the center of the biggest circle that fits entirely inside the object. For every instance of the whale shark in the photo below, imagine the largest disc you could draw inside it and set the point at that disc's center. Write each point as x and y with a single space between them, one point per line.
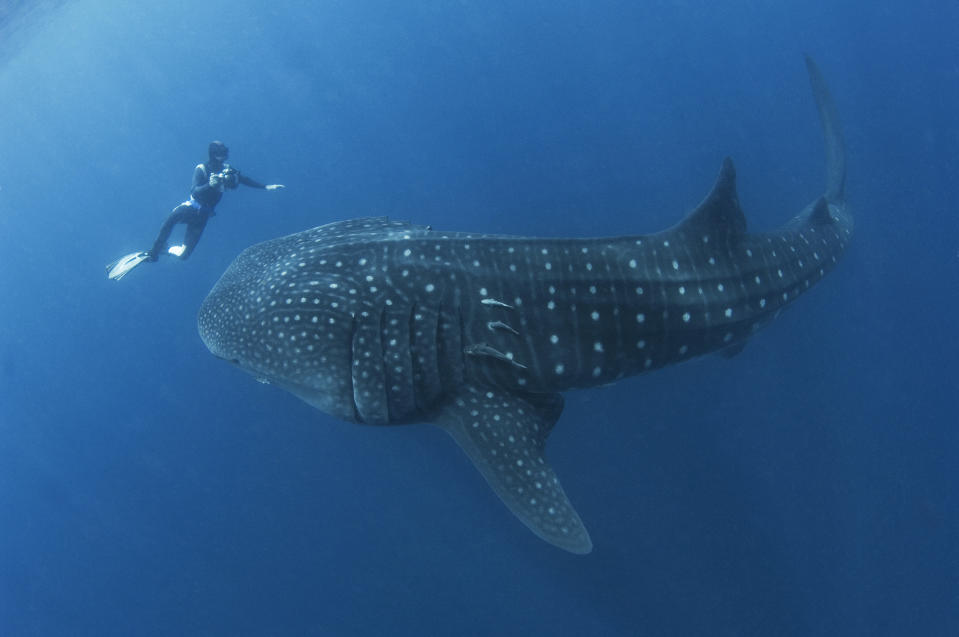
384 322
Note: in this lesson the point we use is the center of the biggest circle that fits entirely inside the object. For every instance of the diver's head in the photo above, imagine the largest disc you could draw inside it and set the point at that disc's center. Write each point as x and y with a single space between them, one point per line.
218 152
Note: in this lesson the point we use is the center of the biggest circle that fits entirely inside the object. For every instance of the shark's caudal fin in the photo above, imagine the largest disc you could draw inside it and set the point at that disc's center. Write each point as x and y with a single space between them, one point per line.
504 435
835 145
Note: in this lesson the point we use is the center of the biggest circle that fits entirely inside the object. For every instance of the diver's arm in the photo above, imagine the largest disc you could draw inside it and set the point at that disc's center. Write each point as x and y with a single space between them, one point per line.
246 181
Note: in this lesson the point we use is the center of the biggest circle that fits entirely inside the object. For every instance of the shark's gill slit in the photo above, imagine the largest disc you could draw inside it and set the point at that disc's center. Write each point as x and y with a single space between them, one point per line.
354 363
383 363
462 338
416 368
446 348
439 349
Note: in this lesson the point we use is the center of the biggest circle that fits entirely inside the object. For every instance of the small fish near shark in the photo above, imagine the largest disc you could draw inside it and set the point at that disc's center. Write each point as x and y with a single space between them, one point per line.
383 322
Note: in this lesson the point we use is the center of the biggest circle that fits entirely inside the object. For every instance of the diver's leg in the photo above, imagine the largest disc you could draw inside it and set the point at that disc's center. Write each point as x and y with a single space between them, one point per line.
180 214
192 235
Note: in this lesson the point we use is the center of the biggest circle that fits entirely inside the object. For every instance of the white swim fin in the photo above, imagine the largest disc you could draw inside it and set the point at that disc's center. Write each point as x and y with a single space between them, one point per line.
177 250
119 268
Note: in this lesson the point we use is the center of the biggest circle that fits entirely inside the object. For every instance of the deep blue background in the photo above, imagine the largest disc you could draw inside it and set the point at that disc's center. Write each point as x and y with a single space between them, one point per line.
806 487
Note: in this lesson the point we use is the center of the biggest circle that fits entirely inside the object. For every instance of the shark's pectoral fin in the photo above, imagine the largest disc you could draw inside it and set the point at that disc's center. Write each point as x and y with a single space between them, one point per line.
504 435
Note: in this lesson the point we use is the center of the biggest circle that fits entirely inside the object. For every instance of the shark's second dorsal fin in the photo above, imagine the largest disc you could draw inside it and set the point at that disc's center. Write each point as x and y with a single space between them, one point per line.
815 214
820 213
719 213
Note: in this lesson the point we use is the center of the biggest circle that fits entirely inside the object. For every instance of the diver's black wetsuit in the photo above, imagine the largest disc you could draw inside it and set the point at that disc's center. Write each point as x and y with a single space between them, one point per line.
196 211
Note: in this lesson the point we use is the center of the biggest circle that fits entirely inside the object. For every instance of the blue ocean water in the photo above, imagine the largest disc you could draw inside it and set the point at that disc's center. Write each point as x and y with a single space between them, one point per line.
807 486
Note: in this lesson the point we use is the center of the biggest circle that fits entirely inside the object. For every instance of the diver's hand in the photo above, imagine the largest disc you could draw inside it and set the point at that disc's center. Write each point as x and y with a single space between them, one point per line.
215 180
275 186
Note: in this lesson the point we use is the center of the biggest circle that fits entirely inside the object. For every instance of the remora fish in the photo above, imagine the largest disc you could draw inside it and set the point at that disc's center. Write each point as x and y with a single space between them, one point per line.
383 322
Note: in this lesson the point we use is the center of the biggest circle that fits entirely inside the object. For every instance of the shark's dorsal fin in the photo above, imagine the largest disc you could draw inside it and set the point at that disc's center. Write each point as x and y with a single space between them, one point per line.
504 435
719 213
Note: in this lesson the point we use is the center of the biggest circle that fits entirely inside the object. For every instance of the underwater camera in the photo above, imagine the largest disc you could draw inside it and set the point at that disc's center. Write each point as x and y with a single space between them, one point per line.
230 176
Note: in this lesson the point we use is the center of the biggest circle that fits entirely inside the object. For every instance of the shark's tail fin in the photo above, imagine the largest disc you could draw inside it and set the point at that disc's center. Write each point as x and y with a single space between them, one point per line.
835 146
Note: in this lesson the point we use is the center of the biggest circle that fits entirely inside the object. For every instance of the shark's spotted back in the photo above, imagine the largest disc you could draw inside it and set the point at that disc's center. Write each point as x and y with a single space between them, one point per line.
383 322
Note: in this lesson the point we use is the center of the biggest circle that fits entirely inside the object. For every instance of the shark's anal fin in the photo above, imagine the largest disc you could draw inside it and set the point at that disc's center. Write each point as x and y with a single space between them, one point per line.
504 435
732 350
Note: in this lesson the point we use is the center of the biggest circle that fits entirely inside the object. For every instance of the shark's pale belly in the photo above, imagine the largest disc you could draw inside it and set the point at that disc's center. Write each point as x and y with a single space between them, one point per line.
383 322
